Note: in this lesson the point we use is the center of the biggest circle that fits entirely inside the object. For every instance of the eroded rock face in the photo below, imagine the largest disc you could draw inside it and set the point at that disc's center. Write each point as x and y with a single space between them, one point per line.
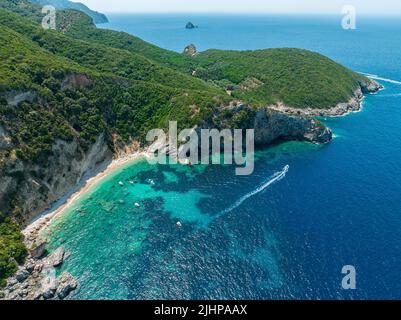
56 258
370 86
190 50
272 125
73 81
5 140
38 186
37 249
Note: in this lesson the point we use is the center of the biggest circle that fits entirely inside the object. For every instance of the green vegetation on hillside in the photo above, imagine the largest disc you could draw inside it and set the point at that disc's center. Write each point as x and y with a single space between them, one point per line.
298 78
65 4
125 94
80 82
12 249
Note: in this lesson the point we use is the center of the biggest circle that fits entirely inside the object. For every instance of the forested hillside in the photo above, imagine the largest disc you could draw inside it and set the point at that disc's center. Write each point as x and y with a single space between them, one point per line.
64 92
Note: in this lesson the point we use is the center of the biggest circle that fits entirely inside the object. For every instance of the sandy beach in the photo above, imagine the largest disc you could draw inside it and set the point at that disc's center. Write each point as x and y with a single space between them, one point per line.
35 228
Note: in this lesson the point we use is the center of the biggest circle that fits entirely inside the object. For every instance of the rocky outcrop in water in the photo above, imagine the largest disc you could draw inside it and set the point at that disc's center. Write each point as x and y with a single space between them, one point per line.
66 284
190 25
271 125
190 50
56 258
37 280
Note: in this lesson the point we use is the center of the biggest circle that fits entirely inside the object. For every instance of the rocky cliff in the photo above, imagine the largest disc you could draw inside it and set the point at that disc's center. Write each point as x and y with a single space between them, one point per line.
32 188
65 4
354 104
271 125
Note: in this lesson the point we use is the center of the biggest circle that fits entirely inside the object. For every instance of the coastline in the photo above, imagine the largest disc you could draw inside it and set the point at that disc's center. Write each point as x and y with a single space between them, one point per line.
36 279
354 105
32 281
32 232
34 229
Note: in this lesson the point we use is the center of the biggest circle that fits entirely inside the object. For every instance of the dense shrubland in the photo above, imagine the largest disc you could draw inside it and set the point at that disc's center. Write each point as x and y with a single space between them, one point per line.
84 81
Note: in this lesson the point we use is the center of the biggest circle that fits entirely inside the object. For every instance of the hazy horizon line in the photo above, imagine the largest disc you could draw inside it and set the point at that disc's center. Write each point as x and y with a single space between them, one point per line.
252 13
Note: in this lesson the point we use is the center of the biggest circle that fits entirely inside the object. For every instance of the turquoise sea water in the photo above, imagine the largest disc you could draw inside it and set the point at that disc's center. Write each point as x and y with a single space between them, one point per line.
337 205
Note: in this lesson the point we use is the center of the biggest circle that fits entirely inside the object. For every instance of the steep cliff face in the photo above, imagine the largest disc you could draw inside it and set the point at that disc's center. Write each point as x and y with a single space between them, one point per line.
34 187
271 125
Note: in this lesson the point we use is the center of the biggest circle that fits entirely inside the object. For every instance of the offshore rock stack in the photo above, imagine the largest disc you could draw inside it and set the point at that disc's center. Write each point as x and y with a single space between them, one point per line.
190 25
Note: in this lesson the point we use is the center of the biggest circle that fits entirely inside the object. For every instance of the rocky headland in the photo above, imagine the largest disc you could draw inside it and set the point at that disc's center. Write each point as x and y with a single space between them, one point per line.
71 116
190 25
190 50
37 279
353 105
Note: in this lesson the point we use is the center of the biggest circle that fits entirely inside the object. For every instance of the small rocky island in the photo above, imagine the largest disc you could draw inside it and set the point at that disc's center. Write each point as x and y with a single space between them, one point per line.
276 92
190 25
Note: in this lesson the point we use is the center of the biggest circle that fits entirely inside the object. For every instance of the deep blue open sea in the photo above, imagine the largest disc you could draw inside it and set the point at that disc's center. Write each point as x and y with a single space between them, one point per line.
338 204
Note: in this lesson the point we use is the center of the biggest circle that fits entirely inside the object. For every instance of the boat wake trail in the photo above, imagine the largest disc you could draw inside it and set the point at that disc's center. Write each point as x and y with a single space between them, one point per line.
273 179
376 77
